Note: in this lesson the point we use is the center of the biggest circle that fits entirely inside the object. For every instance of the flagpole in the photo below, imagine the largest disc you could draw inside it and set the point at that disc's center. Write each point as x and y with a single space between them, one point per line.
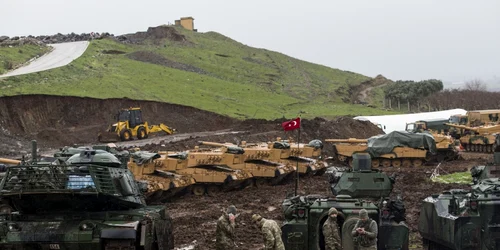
297 163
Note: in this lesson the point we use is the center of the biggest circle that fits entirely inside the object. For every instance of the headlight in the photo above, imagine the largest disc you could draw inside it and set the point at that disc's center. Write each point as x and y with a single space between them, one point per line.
5 209
13 227
87 226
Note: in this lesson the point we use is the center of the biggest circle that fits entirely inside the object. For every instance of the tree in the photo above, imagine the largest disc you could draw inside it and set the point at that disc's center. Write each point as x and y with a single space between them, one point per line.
475 85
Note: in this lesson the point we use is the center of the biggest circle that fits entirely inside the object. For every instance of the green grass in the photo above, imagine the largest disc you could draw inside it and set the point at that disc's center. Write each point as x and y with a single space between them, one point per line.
10 57
460 178
240 81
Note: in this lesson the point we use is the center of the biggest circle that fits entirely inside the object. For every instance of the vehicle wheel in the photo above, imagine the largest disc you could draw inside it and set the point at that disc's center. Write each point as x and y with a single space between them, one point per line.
375 163
417 163
483 148
468 147
141 133
198 190
406 163
347 227
386 163
396 163
126 135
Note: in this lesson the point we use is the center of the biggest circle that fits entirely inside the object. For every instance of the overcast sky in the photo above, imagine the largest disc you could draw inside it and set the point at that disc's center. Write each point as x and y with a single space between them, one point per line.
452 40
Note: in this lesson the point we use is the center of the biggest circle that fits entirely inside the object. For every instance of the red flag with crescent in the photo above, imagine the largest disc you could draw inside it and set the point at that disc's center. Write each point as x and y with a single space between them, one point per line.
291 125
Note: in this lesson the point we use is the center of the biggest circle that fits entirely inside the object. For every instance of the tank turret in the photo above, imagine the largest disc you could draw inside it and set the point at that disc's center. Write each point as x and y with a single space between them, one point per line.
362 181
96 157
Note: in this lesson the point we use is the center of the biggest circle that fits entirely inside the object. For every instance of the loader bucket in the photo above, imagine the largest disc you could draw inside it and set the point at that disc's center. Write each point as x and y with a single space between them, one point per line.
108 137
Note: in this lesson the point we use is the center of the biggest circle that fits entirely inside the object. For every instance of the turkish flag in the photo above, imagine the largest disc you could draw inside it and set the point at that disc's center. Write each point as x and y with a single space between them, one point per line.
291 125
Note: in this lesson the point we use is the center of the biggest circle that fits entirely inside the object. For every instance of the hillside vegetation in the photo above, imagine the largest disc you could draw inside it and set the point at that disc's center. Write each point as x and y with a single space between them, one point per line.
11 57
204 70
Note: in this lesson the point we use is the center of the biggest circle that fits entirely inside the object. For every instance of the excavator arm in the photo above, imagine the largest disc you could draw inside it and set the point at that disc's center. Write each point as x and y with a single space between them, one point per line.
161 127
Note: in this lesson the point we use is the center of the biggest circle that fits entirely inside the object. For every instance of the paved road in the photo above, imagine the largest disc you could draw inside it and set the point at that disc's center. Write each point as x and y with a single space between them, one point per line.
62 54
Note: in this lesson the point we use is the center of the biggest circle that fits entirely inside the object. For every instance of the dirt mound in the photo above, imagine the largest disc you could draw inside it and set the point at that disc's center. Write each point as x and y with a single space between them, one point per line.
155 34
151 57
63 120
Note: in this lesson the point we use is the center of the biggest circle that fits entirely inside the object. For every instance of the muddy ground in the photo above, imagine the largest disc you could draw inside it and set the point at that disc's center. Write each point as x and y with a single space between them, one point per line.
195 217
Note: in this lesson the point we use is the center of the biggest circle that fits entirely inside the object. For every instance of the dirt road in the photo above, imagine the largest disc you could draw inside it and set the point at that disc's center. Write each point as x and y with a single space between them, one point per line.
61 55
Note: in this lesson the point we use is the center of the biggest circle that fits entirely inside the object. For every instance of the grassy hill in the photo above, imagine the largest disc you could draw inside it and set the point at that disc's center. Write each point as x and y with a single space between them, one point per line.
10 57
203 70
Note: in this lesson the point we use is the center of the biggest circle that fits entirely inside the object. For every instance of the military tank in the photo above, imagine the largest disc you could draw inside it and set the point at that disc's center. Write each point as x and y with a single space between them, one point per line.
210 168
160 185
305 215
478 139
308 155
259 160
396 149
90 202
464 219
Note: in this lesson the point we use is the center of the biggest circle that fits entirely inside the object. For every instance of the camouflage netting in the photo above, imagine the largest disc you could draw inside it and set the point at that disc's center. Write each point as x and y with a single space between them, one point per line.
384 144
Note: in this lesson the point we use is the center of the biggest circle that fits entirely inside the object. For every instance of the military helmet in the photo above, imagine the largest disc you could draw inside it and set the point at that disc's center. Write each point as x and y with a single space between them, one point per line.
363 214
332 211
256 218
231 210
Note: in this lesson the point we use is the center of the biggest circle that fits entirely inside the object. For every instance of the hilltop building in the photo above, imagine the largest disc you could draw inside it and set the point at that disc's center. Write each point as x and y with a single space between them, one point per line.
186 23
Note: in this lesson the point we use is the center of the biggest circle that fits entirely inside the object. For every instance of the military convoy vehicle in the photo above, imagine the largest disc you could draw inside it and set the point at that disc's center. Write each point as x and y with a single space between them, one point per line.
465 219
398 148
435 125
210 168
360 188
90 202
160 185
262 161
478 139
307 155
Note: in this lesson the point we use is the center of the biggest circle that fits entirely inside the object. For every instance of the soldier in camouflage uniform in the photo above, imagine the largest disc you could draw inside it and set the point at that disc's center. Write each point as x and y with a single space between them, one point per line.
271 233
331 231
365 232
224 238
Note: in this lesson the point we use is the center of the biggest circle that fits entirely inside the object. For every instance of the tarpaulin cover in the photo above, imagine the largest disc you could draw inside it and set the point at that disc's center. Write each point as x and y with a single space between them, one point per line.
384 144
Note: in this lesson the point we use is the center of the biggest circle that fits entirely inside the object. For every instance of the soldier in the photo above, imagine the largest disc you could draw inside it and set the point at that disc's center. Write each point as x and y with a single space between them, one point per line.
331 231
365 231
224 238
271 233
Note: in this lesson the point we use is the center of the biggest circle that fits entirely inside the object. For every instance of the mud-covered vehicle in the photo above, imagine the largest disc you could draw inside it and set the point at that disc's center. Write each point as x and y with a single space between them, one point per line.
360 188
465 219
89 203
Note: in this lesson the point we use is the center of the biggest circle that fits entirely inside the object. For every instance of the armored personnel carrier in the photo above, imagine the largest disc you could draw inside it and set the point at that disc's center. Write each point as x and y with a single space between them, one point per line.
397 149
261 161
465 219
360 188
89 203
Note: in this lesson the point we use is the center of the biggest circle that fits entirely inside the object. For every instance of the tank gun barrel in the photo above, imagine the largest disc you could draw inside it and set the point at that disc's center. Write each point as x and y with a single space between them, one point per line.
9 161
461 126
353 140
215 144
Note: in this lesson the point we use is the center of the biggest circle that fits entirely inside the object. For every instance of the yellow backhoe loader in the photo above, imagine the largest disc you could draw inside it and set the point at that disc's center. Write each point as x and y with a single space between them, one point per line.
129 125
